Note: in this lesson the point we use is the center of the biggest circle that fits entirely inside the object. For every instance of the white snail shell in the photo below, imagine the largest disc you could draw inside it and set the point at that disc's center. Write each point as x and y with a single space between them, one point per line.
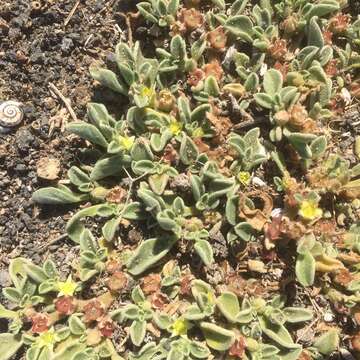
10 113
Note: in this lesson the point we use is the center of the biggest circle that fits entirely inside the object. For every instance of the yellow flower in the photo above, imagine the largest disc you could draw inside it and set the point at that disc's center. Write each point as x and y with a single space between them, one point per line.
180 327
47 338
127 142
198 133
244 177
309 210
211 297
175 127
66 288
145 91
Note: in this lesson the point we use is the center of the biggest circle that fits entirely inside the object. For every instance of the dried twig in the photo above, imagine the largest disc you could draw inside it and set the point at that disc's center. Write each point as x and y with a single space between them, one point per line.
247 123
132 181
59 238
71 13
88 40
106 6
307 329
64 100
128 25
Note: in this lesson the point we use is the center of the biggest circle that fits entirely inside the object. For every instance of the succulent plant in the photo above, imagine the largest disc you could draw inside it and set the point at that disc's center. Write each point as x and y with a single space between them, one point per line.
159 12
313 257
219 94
250 152
256 317
138 313
38 288
352 239
92 256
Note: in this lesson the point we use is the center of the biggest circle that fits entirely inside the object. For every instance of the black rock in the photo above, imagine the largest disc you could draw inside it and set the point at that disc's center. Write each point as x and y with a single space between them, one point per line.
24 140
67 45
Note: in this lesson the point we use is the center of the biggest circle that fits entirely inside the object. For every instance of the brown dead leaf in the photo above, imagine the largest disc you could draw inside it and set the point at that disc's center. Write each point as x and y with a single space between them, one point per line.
117 281
151 284
222 125
116 195
273 229
151 328
355 342
237 350
238 285
293 230
159 300
48 168
257 217
343 277
350 258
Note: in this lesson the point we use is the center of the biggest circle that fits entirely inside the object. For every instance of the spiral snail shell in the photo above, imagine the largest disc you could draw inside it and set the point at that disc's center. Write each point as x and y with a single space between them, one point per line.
10 113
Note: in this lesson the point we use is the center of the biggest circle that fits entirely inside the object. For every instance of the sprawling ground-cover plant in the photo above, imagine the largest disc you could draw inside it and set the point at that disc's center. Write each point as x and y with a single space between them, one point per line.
226 139
54 322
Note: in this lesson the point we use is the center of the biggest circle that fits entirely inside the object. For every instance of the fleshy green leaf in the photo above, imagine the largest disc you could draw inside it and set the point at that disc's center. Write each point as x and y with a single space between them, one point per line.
315 37
305 269
9 345
278 333
149 253
57 196
229 306
108 79
88 132
188 150
216 337
205 251
241 26
318 146
137 332
328 342
272 82
294 315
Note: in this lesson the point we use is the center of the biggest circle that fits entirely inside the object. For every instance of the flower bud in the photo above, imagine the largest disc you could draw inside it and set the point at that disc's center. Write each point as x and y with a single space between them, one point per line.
165 101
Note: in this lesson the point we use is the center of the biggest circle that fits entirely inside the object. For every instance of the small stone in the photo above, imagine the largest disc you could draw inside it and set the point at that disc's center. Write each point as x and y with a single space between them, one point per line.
21 57
4 278
257 181
257 266
276 212
67 45
20 168
24 140
48 168
328 317
346 354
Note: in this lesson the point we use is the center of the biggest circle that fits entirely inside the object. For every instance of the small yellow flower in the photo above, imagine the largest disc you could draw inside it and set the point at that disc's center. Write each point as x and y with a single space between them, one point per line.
175 127
198 133
180 327
145 91
211 297
244 177
127 142
66 288
309 210
47 338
